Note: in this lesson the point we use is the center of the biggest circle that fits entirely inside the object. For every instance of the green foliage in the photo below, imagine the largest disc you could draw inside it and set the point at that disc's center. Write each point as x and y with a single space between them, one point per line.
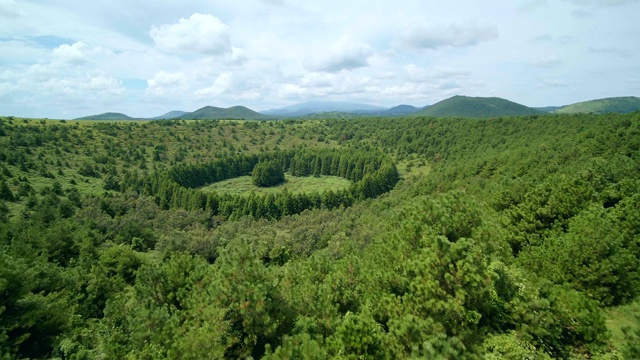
5 192
631 349
592 255
267 174
510 346
520 240
30 322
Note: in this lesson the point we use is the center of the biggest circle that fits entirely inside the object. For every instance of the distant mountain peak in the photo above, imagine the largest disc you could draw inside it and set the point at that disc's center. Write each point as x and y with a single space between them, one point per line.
107 116
217 113
623 104
477 107
170 115
312 107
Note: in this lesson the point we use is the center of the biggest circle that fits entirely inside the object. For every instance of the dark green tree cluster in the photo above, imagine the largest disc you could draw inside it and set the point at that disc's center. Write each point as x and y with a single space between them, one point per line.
267 173
374 174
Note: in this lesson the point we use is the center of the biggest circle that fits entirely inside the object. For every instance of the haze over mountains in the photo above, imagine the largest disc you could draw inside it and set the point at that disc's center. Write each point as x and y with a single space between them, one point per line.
313 107
456 106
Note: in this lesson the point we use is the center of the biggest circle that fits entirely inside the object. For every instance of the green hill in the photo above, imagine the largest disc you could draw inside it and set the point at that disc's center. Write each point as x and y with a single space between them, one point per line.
170 115
548 109
600 106
476 107
235 112
107 116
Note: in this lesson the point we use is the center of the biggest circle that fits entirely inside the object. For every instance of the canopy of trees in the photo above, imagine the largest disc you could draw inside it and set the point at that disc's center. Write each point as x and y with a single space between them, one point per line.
503 238
267 173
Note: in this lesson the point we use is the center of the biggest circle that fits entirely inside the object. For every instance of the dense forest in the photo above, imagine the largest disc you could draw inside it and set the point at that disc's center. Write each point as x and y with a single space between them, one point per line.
499 238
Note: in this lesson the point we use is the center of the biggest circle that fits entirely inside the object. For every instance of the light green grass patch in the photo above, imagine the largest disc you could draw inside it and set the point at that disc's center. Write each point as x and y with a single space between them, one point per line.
243 186
621 317
413 168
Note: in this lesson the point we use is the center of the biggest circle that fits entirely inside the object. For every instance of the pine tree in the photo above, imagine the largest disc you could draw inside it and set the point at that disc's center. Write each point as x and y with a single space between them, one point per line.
5 192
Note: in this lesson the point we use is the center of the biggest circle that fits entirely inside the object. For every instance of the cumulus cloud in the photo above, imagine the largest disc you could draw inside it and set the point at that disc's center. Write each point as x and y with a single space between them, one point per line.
223 83
417 73
318 80
102 83
71 54
237 57
200 33
166 84
344 55
449 35
87 86
61 79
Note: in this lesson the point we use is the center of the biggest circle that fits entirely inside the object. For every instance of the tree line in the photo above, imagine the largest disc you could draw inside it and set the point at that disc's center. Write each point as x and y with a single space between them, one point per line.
372 174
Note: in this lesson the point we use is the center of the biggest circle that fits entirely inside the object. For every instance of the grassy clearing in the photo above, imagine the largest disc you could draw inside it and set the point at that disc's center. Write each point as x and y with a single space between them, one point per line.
620 317
412 169
243 185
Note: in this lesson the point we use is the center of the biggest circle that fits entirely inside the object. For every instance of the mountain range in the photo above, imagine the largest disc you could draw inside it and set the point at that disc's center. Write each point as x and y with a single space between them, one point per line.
456 106
313 107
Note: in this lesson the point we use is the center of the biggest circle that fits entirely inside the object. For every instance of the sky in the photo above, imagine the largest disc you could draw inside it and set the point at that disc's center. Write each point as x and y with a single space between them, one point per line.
66 59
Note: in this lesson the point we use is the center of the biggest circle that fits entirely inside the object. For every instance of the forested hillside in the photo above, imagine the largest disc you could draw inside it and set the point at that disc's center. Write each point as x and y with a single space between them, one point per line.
476 107
626 104
502 238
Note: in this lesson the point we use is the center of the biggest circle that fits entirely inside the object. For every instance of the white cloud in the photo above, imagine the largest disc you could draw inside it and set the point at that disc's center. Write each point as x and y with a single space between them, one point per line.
219 86
83 87
416 73
237 57
435 36
166 84
71 54
344 55
318 80
9 8
548 61
200 33
161 56
102 84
